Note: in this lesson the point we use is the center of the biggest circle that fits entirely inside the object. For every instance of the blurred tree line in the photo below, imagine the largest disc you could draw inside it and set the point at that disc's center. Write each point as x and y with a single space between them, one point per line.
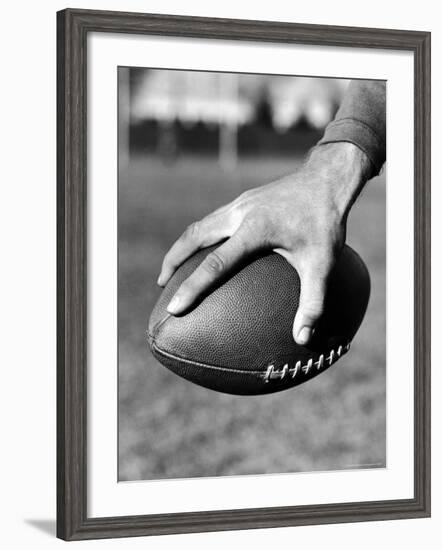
174 111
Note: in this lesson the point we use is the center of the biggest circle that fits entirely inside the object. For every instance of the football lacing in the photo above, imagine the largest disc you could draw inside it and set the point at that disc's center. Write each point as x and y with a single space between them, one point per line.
279 374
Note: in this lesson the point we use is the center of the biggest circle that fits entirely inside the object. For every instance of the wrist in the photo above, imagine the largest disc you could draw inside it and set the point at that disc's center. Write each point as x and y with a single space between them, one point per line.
344 169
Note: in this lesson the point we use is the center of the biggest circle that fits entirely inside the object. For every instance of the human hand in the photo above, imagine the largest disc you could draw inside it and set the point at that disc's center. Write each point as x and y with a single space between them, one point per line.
301 216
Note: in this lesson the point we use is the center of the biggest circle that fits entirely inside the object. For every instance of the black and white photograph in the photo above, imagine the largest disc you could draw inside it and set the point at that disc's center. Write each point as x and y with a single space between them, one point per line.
219 240
251 274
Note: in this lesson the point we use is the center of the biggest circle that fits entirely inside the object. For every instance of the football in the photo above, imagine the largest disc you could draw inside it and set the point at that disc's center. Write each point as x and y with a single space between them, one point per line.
238 338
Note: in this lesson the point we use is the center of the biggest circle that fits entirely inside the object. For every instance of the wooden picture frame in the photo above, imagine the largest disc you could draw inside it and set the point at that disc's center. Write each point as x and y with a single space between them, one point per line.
73 27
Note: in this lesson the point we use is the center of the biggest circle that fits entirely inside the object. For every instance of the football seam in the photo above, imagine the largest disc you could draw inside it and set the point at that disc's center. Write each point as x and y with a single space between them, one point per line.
199 364
158 325
267 374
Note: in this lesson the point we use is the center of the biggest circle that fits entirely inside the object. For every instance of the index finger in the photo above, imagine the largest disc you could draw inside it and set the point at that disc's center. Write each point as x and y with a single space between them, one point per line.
214 267
206 232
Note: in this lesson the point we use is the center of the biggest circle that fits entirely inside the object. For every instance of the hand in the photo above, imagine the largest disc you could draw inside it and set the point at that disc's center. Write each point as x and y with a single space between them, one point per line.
302 217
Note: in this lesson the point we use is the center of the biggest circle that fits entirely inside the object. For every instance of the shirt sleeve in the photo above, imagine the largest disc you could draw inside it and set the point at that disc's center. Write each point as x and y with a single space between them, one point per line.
361 120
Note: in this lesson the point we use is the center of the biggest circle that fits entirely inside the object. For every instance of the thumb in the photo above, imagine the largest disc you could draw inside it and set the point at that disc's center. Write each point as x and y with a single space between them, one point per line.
311 303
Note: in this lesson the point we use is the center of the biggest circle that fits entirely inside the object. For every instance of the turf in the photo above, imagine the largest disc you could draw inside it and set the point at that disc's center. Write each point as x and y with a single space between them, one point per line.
170 428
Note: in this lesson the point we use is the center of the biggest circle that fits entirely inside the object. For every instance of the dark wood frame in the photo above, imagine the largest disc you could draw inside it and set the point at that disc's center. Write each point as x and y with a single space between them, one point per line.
73 27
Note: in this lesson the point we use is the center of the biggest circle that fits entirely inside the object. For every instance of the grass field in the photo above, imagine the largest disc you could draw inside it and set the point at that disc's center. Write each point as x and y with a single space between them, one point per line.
170 428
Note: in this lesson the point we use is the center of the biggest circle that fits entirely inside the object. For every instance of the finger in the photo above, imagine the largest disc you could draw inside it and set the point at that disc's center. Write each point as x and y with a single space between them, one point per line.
215 266
206 232
311 302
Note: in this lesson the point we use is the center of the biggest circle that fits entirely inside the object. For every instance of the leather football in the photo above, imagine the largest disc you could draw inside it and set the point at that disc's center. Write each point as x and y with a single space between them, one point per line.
238 338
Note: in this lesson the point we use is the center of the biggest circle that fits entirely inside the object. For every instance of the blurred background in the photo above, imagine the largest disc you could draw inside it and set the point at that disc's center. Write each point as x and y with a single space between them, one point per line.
190 142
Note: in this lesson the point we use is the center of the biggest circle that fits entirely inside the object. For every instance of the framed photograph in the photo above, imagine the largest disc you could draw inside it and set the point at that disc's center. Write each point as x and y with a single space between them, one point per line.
243 274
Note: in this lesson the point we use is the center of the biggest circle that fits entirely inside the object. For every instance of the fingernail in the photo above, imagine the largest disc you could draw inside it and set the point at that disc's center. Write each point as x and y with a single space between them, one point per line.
304 335
174 305
160 281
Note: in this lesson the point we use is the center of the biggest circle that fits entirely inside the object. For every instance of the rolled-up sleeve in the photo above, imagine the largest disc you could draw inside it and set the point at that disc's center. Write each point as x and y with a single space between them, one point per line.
361 120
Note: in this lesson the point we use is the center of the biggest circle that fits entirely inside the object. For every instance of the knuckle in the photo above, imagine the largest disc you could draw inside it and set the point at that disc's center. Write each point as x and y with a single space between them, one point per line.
192 231
244 196
214 263
247 193
244 202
